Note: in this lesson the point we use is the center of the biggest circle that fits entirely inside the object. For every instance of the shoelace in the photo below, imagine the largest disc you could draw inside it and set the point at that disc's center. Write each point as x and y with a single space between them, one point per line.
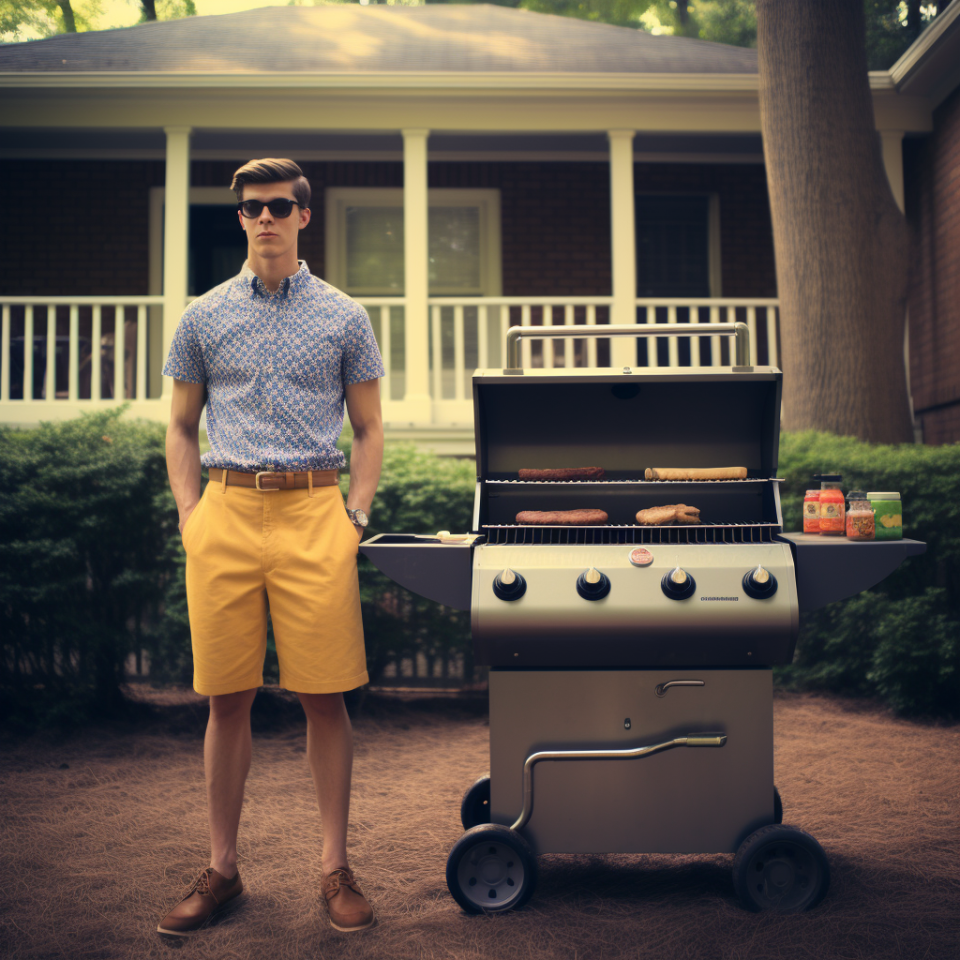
335 879
202 886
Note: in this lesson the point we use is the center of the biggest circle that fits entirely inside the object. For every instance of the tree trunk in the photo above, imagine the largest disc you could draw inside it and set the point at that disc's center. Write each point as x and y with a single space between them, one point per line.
841 241
69 24
149 9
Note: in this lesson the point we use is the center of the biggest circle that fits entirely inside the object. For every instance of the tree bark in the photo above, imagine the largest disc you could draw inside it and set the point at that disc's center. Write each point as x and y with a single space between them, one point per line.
841 241
69 23
149 9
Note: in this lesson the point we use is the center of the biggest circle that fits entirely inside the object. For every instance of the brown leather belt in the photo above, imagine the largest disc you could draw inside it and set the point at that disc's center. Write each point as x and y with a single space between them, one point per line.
269 480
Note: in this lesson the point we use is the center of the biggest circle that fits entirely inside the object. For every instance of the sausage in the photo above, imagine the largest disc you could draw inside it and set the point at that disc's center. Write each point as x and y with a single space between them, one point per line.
562 473
694 473
562 517
667 516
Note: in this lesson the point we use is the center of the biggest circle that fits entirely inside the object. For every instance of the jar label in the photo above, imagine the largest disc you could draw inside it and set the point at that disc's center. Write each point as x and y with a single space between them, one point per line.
829 511
811 508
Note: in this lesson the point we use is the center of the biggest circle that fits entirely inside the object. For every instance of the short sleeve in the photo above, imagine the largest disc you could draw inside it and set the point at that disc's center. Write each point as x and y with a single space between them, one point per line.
361 355
185 360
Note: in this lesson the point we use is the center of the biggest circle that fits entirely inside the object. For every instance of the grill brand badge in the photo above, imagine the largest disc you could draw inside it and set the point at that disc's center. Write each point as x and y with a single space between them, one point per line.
641 557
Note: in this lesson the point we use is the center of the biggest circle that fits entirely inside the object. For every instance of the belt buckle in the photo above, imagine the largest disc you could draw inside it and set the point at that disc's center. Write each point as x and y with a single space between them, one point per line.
267 473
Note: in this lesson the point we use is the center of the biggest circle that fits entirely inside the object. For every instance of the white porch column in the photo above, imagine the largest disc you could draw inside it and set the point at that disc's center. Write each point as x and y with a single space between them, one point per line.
415 276
623 244
892 142
176 225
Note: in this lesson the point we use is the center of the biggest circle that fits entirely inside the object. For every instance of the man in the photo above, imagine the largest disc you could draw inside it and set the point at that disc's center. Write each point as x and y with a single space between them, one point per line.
274 353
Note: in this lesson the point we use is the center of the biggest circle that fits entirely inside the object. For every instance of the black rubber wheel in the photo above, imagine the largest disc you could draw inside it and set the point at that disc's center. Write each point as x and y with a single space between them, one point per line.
491 869
777 806
475 805
781 869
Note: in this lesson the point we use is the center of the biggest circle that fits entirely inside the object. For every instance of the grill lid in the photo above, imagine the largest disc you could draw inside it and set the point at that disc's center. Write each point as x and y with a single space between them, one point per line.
627 421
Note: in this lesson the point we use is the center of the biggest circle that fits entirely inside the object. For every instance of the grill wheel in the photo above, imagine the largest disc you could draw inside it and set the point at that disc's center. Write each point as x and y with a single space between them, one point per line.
491 869
780 869
475 805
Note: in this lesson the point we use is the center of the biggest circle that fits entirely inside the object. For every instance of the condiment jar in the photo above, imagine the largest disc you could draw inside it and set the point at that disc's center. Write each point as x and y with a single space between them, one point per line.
811 512
831 505
888 515
859 517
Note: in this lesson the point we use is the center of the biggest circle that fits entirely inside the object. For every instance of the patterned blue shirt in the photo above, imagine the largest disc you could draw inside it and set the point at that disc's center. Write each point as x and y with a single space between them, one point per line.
275 366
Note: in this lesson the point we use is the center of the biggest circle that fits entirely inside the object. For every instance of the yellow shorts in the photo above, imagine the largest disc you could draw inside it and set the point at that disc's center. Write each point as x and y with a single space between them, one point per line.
247 548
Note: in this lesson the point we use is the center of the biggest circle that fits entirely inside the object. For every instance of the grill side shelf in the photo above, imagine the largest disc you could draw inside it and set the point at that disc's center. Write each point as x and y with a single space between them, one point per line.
834 568
439 571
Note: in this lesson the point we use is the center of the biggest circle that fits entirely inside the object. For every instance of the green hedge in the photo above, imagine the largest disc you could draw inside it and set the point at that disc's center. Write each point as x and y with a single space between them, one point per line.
901 641
91 570
88 546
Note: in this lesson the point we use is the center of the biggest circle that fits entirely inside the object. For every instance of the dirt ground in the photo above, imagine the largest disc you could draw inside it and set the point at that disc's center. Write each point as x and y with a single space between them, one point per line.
101 831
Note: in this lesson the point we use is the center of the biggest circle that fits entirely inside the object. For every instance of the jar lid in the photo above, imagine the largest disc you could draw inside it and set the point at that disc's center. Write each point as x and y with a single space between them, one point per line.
817 492
883 496
856 495
827 477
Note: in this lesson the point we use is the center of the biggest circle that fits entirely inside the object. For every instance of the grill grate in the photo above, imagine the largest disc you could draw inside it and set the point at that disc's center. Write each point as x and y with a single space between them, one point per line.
695 533
633 483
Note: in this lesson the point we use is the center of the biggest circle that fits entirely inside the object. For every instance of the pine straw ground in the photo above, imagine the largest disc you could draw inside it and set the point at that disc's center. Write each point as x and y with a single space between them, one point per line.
99 832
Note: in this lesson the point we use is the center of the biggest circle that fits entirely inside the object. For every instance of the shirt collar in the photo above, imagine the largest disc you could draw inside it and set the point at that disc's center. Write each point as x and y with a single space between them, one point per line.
293 284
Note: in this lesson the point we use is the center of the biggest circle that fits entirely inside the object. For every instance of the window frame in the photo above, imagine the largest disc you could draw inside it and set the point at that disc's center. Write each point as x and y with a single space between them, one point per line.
337 199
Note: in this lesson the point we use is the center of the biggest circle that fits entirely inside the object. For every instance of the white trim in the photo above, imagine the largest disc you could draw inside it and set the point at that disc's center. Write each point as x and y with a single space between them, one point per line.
917 52
435 81
337 199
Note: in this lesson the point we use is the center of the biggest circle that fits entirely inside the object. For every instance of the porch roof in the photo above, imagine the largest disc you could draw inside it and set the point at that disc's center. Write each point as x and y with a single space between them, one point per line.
348 39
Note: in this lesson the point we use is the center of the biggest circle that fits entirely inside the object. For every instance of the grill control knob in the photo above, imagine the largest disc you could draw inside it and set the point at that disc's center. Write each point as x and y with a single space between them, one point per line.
678 584
509 585
593 585
759 583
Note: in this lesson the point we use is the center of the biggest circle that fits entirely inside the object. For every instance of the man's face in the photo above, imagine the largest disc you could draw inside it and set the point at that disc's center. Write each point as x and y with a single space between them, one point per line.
269 236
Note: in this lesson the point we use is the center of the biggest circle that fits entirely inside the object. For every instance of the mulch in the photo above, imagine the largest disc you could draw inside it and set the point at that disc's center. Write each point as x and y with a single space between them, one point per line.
101 831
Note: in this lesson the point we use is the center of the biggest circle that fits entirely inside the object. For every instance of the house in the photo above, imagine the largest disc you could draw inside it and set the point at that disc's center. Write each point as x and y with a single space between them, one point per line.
472 167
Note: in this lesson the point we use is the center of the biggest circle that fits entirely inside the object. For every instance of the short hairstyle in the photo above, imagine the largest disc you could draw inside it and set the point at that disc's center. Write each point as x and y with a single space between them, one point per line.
271 170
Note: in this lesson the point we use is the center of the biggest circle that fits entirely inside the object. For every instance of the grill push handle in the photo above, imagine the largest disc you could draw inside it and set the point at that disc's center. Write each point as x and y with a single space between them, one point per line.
739 330
692 740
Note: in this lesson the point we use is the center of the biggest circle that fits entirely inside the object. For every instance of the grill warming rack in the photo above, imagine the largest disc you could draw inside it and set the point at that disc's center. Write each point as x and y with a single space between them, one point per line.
616 534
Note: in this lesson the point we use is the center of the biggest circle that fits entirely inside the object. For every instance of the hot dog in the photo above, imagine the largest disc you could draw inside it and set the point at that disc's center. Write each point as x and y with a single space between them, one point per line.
562 517
562 473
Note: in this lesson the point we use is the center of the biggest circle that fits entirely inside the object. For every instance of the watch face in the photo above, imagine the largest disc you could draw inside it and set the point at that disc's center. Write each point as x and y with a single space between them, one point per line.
359 518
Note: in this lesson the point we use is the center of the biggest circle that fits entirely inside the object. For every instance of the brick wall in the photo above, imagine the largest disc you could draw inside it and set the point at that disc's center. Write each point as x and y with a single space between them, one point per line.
932 194
92 238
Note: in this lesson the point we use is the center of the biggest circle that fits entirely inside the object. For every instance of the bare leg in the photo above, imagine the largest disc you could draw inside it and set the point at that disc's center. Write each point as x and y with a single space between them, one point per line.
226 759
330 752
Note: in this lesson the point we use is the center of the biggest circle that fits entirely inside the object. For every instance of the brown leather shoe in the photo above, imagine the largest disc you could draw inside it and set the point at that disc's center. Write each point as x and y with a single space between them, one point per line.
347 906
210 891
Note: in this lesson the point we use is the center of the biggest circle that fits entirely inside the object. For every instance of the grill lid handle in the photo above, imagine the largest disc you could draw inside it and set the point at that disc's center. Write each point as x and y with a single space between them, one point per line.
739 330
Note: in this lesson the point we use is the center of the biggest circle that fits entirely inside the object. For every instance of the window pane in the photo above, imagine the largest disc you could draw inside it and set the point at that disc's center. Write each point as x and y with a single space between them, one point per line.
455 248
375 248
672 247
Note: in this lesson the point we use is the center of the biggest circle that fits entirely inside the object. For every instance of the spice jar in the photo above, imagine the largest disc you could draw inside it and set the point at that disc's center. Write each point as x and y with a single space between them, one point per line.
831 505
859 517
811 512
888 515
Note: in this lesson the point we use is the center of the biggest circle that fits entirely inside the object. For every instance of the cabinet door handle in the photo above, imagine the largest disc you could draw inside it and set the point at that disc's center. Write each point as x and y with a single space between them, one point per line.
661 688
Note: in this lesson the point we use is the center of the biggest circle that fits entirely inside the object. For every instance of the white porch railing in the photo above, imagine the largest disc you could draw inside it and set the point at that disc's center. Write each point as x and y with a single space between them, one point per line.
90 366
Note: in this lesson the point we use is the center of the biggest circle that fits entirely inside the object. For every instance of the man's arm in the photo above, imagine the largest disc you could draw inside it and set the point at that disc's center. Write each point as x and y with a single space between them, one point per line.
363 408
183 446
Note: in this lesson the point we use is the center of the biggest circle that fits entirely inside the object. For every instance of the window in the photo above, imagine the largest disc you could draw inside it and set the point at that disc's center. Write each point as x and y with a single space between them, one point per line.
365 241
677 253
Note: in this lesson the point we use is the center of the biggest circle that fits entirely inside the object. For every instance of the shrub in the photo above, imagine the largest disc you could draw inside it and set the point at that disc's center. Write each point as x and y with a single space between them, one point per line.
900 641
86 551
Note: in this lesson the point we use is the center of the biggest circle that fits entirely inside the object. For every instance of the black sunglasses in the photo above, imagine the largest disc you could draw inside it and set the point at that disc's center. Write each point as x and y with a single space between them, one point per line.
280 208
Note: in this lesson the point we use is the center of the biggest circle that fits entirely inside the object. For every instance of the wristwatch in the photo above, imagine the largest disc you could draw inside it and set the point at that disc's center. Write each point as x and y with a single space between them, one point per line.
358 517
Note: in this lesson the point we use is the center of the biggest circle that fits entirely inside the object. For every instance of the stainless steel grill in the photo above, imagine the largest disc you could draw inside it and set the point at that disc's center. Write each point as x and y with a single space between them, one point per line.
647 646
